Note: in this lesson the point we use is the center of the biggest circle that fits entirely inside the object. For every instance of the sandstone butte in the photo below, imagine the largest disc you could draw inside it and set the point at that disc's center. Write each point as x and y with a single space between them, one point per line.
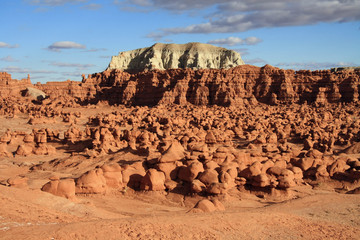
171 56
174 131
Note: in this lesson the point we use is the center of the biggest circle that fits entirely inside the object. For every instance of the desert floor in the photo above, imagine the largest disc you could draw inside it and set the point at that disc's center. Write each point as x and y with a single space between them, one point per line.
306 212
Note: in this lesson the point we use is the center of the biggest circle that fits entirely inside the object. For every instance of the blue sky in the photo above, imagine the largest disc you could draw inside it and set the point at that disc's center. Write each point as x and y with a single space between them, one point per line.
56 40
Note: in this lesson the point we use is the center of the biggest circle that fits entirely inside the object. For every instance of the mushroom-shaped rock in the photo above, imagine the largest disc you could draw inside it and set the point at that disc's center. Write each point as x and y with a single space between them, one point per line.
24 150
253 170
189 173
225 177
170 169
62 188
206 205
321 172
153 180
217 188
113 175
286 179
175 152
197 186
338 166
133 174
170 184
298 174
209 176
92 181
306 163
261 180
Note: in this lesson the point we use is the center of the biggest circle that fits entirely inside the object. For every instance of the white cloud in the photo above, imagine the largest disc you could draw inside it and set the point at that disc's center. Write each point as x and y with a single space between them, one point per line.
58 46
232 41
175 5
95 50
242 51
54 2
232 16
72 74
6 45
315 65
92 6
8 59
255 61
72 65
15 69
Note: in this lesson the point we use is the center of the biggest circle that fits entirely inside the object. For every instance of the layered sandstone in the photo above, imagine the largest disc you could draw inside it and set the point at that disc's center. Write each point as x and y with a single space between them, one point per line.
224 87
11 87
170 56
238 86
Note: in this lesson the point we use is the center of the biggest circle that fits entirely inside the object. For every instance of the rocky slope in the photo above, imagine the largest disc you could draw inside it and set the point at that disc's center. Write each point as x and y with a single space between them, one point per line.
169 56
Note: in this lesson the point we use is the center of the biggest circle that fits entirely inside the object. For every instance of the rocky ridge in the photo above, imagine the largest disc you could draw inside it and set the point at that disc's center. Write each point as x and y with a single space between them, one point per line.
238 86
171 56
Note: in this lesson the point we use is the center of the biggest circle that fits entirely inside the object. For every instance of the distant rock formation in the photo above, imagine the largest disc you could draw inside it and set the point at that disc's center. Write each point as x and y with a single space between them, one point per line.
337 69
224 87
170 56
239 86
12 87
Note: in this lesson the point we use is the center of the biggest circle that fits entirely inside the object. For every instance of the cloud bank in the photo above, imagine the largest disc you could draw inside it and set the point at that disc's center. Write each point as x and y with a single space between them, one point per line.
16 69
6 45
58 46
231 16
314 65
8 59
233 41
54 2
72 65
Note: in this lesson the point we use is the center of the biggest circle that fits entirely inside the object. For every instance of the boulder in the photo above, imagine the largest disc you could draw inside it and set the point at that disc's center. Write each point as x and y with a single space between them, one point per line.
91 182
60 187
174 153
113 175
189 173
209 176
153 180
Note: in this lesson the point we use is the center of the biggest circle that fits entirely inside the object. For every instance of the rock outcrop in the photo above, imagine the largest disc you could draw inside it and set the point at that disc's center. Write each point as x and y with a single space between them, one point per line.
236 86
11 87
170 56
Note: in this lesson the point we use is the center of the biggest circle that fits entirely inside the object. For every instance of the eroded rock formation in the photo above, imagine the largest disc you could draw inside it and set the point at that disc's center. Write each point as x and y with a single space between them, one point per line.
238 86
224 87
170 56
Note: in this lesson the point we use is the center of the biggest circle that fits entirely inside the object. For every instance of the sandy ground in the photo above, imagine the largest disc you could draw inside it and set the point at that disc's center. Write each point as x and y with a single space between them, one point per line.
319 214
29 213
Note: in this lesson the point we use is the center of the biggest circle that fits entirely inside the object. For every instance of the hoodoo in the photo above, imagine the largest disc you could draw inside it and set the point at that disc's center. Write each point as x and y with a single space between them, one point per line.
169 56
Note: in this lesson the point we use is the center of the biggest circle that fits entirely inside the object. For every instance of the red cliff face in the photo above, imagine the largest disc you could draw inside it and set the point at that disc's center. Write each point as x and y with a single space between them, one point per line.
12 87
222 87
237 86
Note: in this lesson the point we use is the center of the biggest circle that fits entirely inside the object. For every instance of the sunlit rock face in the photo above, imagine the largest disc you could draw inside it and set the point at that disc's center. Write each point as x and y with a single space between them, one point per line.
171 56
